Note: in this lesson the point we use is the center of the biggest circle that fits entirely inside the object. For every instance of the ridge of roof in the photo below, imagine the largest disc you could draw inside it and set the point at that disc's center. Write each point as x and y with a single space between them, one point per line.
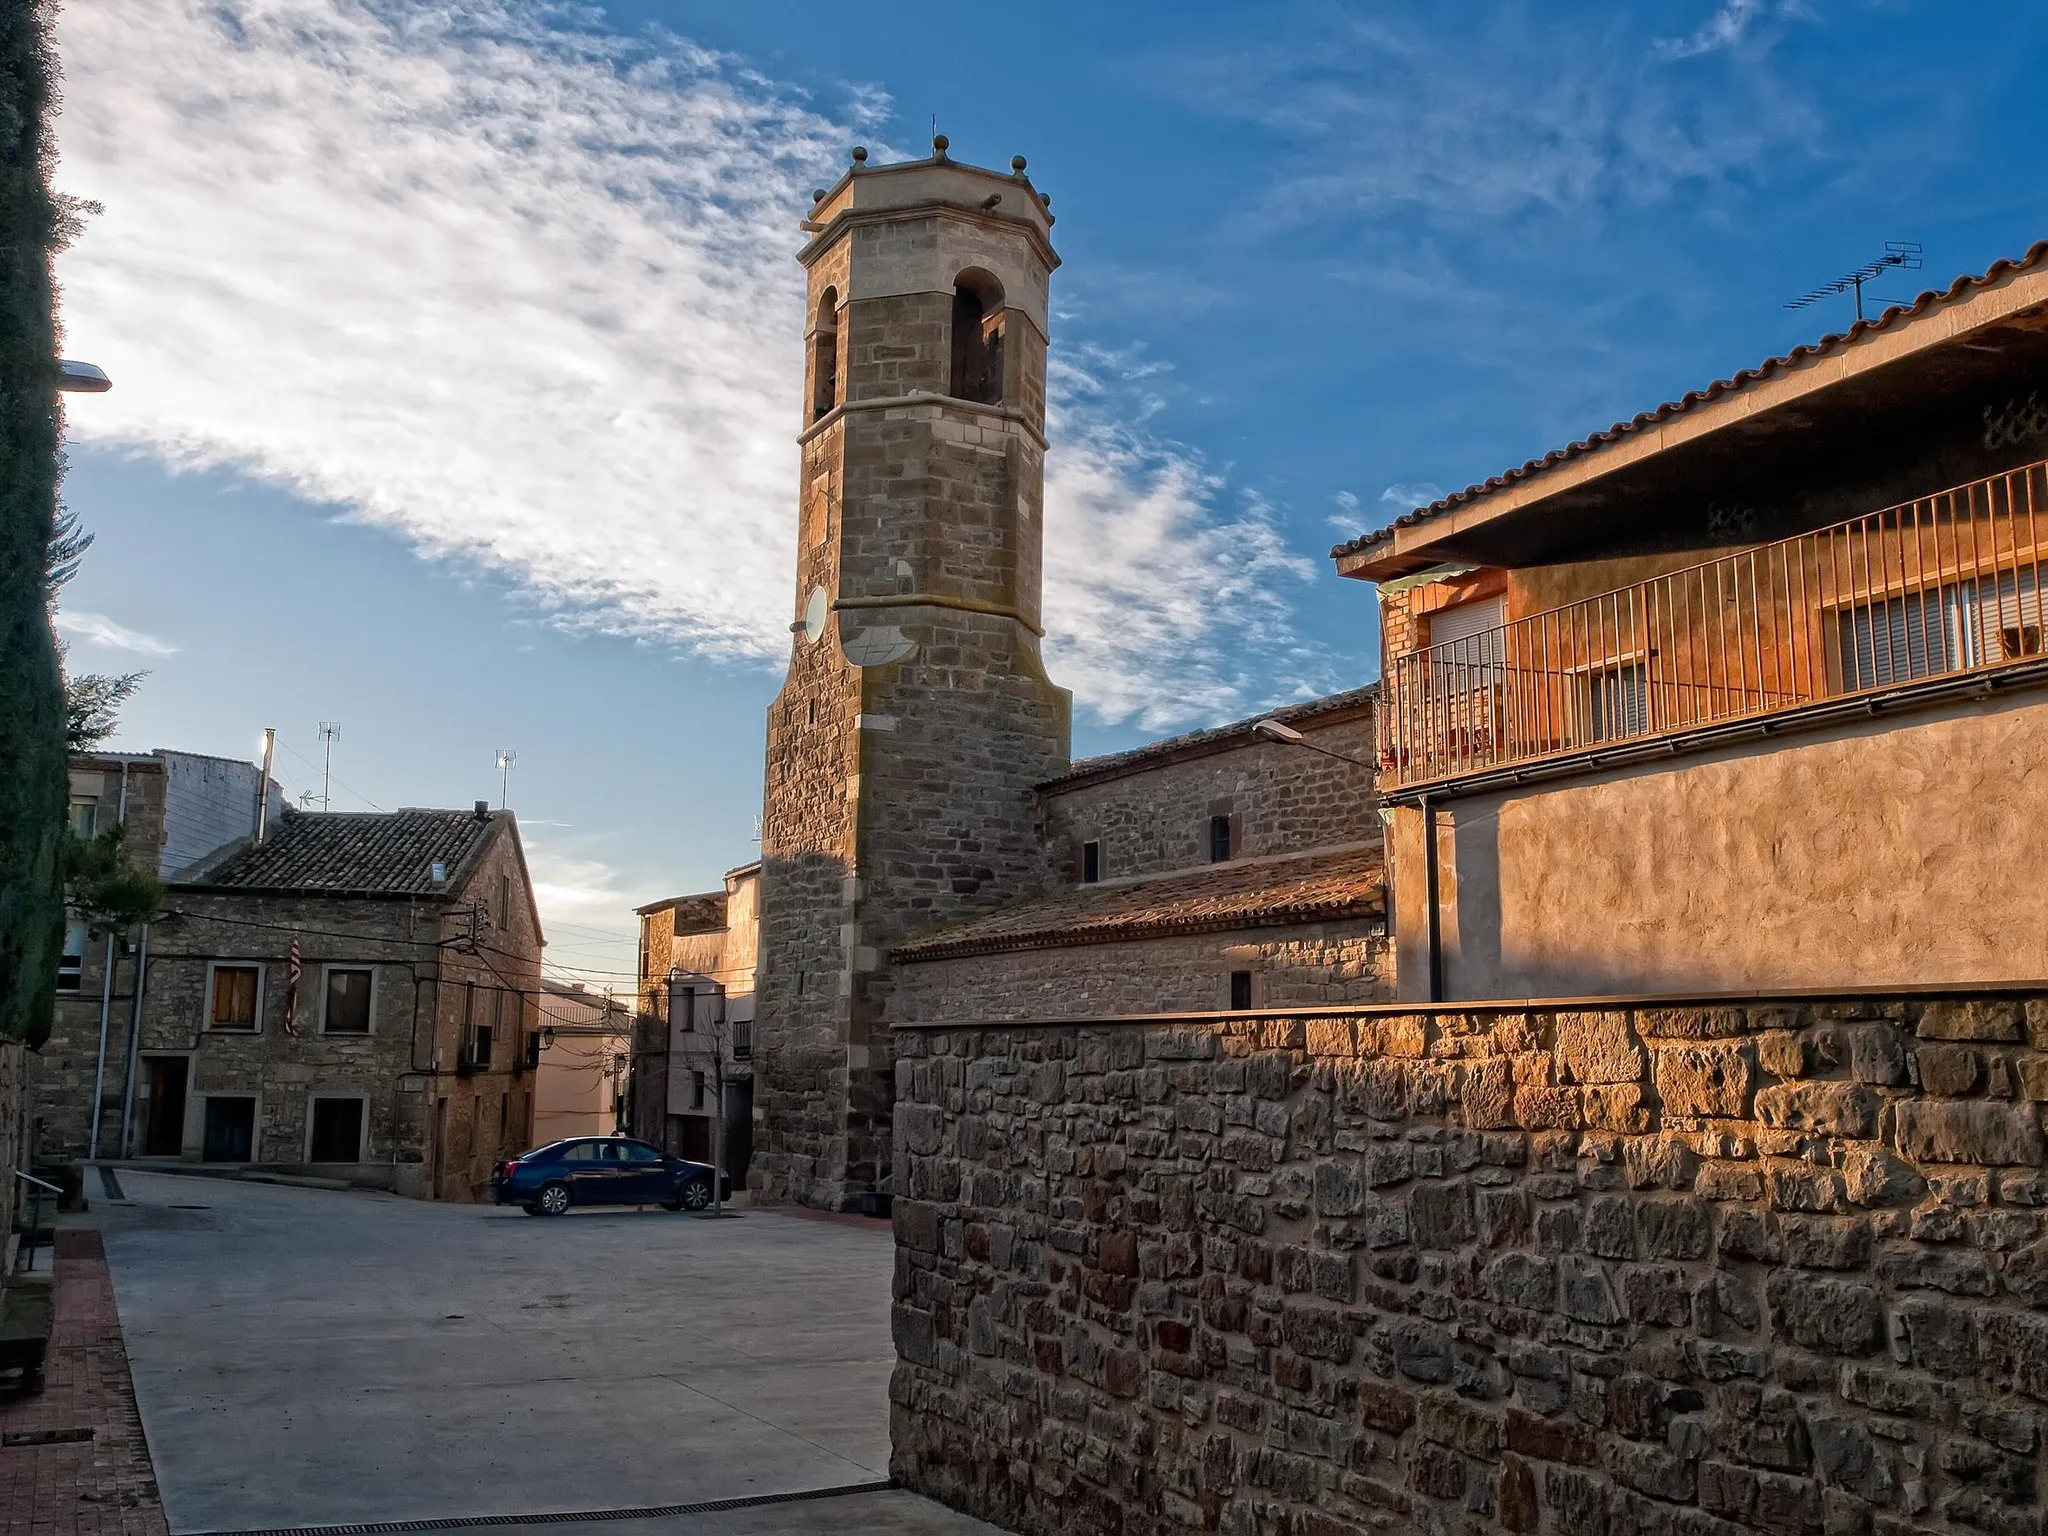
1736 383
353 853
1250 893
1210 739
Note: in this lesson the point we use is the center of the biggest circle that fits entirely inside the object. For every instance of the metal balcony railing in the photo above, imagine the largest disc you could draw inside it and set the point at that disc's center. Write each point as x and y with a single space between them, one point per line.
1951 583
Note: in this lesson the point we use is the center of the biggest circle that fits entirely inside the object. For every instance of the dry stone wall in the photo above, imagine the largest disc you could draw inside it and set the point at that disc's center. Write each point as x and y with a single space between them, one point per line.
1693 1269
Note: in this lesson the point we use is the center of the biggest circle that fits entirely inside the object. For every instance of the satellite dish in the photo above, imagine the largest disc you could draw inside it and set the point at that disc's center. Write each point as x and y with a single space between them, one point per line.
876 647
816 612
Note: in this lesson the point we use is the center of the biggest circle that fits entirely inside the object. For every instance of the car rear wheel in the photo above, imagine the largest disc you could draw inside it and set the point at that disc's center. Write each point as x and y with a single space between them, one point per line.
694 1196
553 1199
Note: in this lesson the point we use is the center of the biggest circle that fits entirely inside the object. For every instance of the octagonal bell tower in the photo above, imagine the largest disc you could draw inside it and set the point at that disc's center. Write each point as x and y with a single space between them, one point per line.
916 715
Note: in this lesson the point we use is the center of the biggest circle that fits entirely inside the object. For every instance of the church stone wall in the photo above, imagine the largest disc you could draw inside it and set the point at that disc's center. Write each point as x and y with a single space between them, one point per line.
1154 817
1305 966
1693 1269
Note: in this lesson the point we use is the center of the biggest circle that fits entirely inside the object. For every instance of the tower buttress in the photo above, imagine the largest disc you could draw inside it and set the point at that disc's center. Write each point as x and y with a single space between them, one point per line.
916 716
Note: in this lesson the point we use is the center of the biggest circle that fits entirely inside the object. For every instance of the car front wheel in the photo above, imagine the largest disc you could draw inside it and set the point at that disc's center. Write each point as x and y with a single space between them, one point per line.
553 1199
695 1195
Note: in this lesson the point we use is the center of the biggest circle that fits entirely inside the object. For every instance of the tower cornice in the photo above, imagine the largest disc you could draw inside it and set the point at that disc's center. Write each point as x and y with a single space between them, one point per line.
833 229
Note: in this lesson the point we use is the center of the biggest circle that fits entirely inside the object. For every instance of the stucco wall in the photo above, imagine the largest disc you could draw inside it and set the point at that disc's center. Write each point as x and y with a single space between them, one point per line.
1900 852
1701 1270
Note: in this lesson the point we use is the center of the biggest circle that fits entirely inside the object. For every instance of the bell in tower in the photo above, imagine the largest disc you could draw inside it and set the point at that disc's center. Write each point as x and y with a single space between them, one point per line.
916 716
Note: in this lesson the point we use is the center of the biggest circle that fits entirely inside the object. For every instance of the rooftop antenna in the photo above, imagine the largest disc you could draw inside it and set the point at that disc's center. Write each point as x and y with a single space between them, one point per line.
506 758
1904 254
330 733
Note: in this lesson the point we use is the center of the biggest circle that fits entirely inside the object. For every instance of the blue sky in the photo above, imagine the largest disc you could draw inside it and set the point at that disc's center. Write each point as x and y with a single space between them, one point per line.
456 355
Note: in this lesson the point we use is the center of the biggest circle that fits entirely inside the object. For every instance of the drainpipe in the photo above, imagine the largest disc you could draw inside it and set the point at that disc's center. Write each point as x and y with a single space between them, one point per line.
99 1072
134 1043
1429 883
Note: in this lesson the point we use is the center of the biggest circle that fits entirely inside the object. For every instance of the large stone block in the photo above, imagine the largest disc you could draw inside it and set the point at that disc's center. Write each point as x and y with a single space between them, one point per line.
1598 1048
1831 1109
1705 1081
1964 1131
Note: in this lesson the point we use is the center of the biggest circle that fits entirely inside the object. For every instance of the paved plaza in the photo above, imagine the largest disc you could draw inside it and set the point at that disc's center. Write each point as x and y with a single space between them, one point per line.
311 1357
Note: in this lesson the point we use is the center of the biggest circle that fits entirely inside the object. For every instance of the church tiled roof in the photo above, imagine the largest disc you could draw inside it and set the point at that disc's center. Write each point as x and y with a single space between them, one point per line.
354 853
1247 893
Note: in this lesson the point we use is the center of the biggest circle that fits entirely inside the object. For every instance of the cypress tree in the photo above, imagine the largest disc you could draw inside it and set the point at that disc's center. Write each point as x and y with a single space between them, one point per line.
32 715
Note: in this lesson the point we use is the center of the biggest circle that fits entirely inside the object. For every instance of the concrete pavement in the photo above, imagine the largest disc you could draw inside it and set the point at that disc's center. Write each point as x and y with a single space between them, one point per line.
306 1357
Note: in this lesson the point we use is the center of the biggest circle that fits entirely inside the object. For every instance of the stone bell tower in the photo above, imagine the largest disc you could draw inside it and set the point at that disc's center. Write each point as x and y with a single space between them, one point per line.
916 716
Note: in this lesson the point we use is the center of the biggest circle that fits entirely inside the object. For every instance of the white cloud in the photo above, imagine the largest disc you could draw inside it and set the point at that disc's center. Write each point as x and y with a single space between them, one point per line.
1726 28
1405 496
523 295
98 629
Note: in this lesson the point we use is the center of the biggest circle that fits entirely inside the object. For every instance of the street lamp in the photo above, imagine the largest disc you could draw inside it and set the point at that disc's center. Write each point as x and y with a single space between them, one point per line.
76 378
1270 729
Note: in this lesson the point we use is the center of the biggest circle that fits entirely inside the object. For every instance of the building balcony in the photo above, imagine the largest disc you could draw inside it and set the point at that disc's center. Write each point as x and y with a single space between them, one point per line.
1914 599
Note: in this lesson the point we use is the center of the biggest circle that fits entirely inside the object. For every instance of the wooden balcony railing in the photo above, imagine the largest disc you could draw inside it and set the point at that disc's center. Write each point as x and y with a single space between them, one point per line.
1947 584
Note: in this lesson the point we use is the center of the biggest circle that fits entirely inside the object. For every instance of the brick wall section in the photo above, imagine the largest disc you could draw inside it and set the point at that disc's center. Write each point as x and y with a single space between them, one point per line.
1305 966
1281 799
1690 1269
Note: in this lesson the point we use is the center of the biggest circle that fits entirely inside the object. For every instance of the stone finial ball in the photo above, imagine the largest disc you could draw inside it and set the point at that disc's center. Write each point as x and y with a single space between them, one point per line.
1045 198
817 194
1017 164
860 154
941 143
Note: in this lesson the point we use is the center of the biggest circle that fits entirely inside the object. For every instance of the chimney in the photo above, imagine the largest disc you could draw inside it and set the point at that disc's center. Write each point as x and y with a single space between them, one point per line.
483 810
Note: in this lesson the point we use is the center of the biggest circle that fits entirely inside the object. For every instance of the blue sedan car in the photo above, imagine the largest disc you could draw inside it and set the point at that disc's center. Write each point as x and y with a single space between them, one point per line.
601 1170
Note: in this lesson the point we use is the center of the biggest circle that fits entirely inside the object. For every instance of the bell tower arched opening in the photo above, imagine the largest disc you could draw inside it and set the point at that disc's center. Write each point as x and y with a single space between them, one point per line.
825 355
977 337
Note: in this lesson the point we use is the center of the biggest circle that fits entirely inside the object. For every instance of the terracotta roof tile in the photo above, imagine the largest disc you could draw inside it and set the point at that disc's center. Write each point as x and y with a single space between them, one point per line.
381 853
1249 894
2036 253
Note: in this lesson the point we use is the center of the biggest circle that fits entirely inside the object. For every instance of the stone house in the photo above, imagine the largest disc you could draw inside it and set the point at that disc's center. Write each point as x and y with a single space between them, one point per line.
392 1053
177 808
1745 694
696 1021
579 1080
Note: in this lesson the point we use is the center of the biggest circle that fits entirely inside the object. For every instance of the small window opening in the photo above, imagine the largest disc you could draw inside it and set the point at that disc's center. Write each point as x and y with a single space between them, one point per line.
978 338
697 1085
1091 863
1240 991
825 355
1219 839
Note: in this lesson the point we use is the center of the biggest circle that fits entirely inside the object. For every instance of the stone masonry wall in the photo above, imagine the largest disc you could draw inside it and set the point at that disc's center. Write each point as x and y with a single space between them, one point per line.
1693 1269
1308 965
1281 799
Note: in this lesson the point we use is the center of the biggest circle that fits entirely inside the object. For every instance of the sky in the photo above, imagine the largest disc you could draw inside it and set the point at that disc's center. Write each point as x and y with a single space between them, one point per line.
456 343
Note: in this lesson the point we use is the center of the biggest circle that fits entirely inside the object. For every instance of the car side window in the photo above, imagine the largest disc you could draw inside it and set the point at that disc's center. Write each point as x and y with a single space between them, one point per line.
639 1152
582 1152
613 1152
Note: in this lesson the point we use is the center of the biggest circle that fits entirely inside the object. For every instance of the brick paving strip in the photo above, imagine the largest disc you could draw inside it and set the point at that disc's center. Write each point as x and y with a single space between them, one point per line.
91 1487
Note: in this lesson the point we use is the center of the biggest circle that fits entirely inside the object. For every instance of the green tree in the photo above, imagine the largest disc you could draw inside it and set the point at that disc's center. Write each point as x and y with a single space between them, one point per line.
105 887
33 837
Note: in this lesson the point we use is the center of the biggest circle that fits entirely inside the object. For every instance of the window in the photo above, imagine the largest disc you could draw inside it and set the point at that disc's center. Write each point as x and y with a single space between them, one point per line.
84 815
504 1112
232 1000
825 355
1240 991
230 1129
742 1039
697 1085
638 1152
348 1002
1925 634
480 1043
977 338
337 1131
1617 703
581 1152
71 964
1091 863
1219 839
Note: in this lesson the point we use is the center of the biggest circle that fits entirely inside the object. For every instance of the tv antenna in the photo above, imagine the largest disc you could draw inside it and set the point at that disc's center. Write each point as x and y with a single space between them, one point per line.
1903 254
330 733
506 758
